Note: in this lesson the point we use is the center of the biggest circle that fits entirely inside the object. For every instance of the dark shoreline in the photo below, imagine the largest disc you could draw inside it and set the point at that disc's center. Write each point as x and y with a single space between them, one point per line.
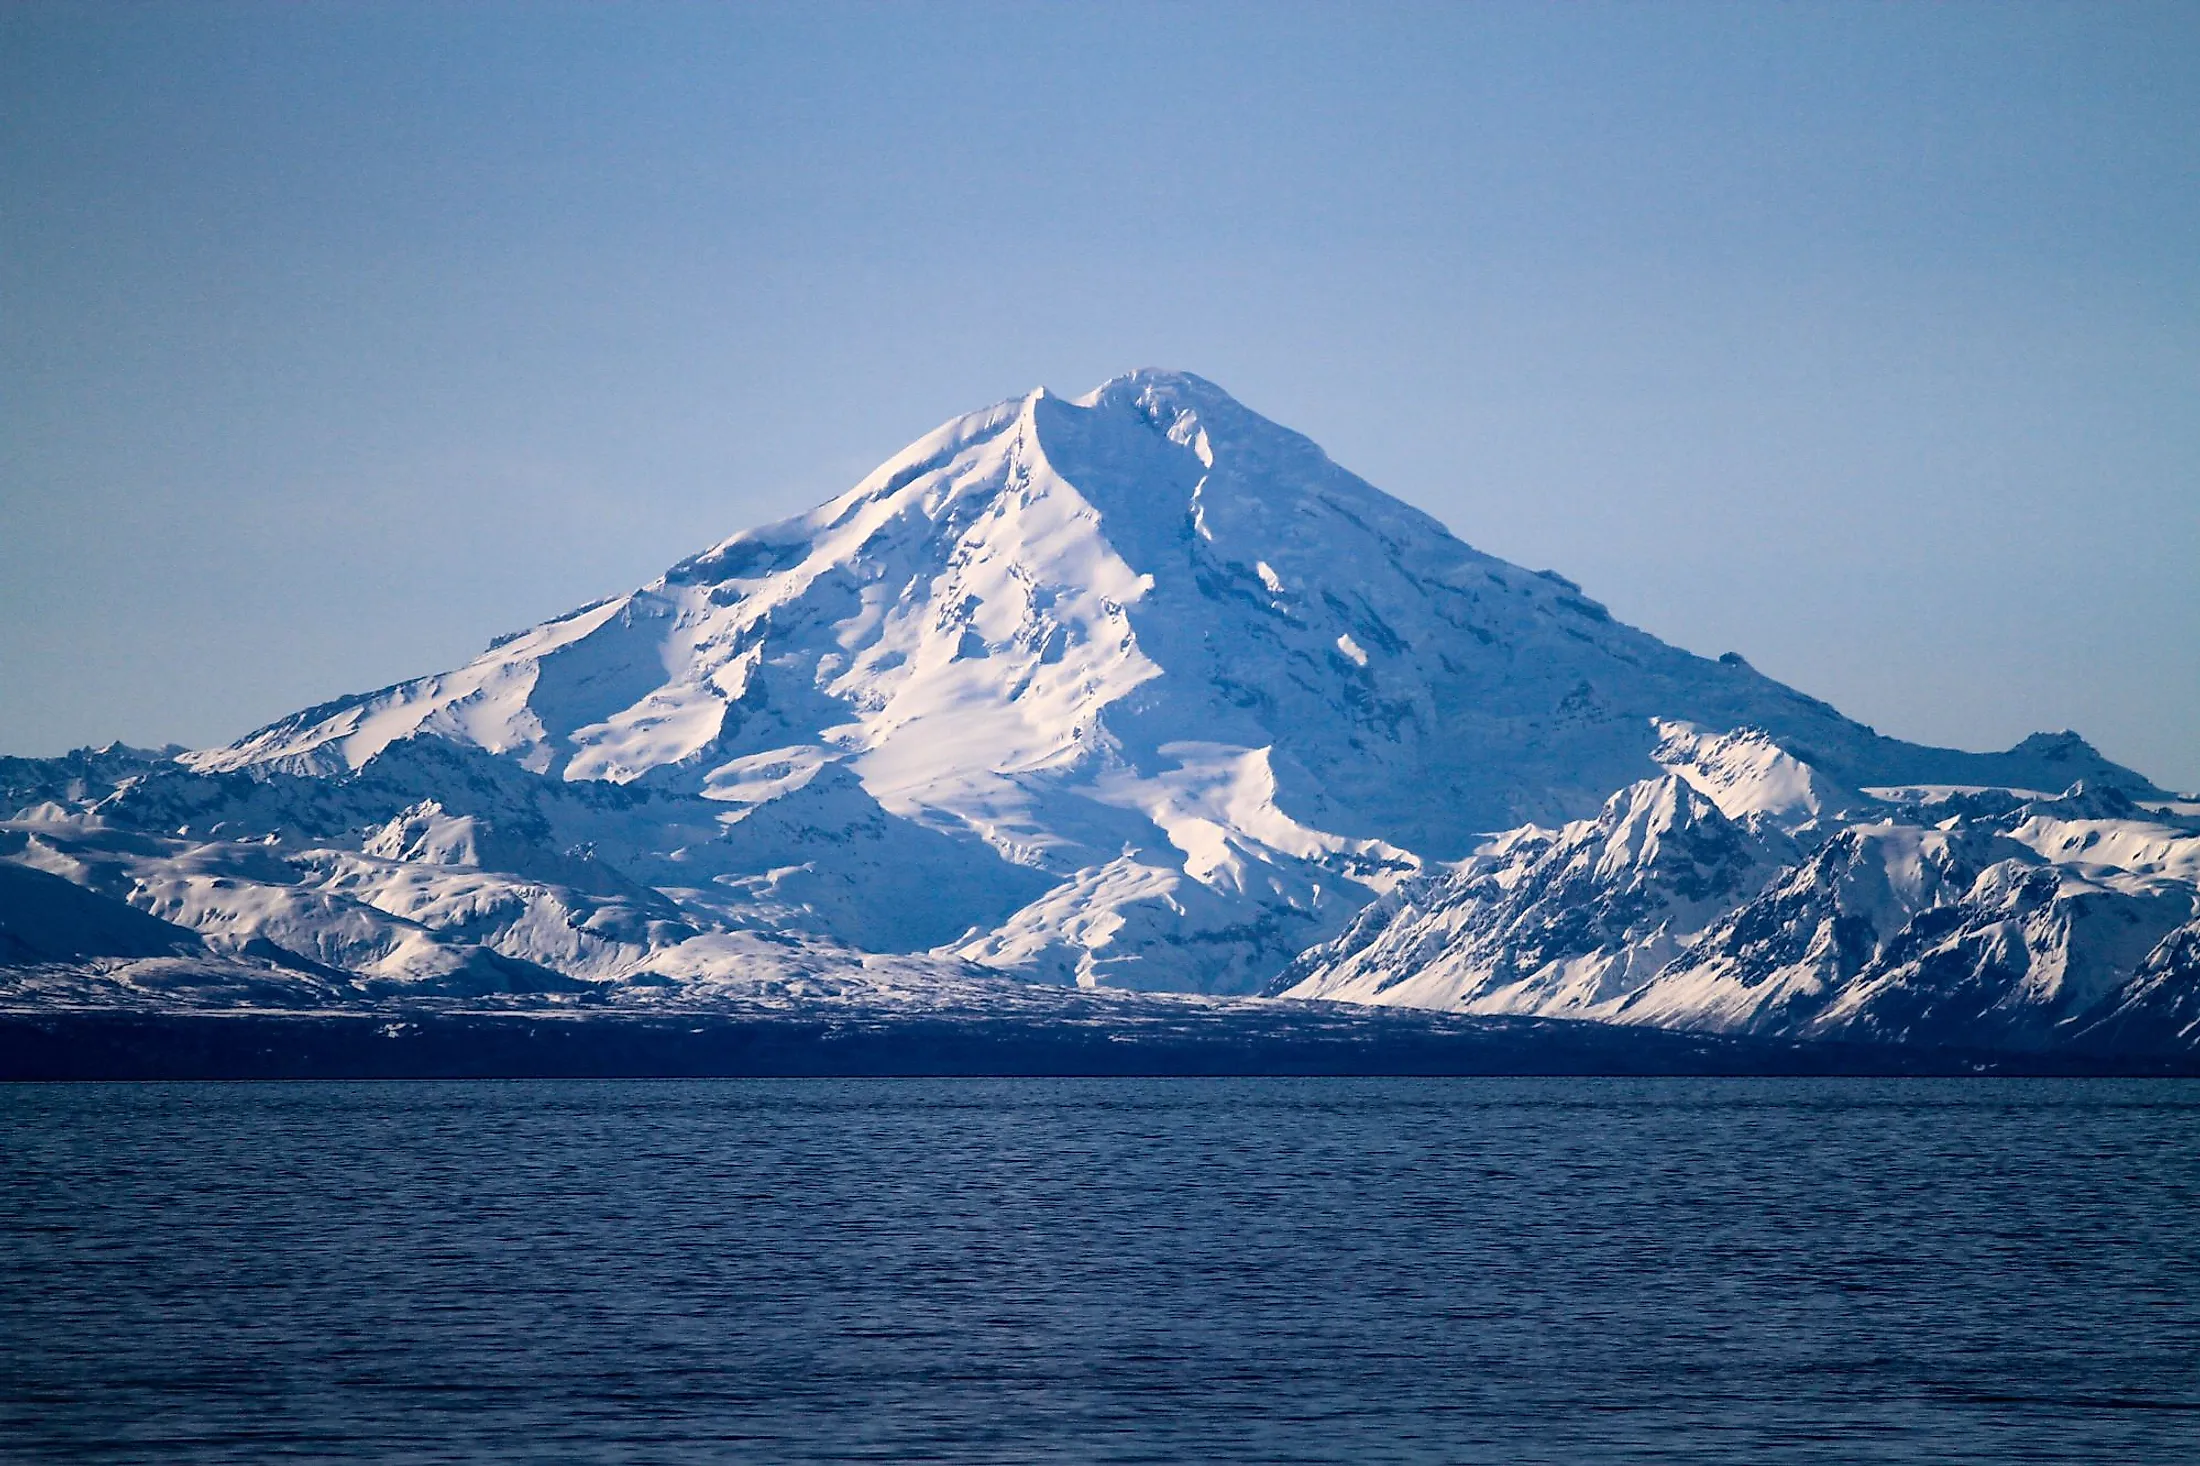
427 1044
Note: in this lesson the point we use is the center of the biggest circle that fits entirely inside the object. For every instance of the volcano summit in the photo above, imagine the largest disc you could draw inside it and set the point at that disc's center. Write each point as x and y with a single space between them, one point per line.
1135 689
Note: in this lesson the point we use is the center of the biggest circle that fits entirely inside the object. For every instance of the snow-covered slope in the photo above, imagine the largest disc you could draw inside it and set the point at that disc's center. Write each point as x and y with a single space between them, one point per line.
1558 923
1136 688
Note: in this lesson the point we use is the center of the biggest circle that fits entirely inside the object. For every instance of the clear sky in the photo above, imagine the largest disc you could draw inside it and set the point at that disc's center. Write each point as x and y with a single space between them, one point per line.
1864 340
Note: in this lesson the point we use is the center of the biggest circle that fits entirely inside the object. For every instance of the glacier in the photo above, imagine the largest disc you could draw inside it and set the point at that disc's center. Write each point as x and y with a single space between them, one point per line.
1133 690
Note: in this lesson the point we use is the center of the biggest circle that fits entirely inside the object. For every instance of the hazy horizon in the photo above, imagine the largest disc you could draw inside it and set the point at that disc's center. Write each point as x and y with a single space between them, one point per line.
1862 341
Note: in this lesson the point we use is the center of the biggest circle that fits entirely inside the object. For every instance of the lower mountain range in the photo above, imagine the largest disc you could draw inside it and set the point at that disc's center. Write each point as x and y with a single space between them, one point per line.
1132 690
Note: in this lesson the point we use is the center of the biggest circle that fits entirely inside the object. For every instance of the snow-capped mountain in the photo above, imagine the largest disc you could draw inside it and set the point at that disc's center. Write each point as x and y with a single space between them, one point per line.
1135 689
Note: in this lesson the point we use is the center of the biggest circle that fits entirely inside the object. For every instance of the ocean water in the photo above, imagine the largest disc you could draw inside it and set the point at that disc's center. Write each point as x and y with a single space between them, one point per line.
1503 1270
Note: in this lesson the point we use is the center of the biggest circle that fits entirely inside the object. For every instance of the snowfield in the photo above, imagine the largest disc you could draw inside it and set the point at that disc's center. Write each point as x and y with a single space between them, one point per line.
1132 690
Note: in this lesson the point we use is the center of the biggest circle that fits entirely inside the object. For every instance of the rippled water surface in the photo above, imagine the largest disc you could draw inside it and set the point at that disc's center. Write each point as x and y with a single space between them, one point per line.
1110 1270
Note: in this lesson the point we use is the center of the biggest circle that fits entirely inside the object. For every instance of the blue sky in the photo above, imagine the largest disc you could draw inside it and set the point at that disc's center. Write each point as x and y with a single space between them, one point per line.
1864 340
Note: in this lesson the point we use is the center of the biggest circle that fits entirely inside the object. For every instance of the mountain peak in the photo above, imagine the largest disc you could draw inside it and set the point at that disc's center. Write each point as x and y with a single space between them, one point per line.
1144 647
1159 382
2060 747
